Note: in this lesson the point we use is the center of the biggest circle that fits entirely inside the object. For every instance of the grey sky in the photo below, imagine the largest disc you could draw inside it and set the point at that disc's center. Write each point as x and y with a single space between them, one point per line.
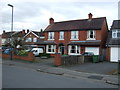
34 14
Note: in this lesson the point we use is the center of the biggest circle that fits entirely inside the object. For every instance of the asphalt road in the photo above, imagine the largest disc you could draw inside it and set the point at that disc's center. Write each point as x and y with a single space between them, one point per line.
19 77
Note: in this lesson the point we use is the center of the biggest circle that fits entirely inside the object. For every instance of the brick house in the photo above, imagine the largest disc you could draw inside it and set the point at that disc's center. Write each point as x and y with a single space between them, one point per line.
6 37
113 42
75 37
33 38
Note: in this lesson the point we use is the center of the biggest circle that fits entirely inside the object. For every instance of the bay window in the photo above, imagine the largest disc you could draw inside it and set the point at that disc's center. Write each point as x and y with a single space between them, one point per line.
74 50
50 49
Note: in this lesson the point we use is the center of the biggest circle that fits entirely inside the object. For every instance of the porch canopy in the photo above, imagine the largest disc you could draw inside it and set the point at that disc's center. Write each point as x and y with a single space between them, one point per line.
87 42
46 43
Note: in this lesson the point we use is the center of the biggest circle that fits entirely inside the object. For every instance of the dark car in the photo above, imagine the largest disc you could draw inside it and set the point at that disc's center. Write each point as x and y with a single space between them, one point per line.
88 54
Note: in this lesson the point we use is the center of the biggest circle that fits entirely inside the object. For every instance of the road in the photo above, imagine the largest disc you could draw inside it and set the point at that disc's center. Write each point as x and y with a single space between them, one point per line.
21 77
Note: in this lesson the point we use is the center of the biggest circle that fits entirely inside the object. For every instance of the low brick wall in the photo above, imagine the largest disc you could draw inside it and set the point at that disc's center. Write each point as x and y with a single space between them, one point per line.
30 56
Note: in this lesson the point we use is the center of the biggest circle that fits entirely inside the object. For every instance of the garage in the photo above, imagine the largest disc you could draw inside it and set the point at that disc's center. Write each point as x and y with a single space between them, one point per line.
95 50
114 54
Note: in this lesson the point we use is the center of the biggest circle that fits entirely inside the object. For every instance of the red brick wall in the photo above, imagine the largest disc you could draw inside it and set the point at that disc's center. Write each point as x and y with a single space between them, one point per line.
30 56
104 34
67 36
108 53
57 60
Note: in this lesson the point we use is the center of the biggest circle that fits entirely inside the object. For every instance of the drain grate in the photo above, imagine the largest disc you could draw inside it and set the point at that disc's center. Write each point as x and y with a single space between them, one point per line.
96 77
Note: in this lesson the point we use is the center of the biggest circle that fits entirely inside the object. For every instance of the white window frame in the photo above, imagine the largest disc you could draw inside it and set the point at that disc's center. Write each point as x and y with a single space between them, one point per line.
61 36
3 41
76 47
74 34
50 35
53 49
28 39
34 39
88 35
115 33
59 49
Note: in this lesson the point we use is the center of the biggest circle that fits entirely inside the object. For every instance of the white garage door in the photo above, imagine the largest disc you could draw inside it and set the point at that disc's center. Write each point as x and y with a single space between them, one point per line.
95 50
114 56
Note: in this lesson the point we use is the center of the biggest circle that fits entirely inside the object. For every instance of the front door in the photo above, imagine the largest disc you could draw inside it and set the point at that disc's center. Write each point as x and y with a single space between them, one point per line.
62 50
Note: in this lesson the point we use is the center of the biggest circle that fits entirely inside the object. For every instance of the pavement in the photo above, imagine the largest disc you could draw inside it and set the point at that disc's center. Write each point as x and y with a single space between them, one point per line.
111 79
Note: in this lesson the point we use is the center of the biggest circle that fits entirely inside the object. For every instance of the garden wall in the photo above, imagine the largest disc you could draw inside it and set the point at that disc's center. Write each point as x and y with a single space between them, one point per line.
29 57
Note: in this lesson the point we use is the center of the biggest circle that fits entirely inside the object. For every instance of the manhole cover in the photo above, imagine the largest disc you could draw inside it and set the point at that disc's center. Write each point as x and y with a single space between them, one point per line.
96 77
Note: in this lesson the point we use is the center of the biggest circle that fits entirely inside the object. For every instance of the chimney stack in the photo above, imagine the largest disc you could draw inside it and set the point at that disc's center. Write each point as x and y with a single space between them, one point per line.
23 31
90 16
41 30
3 31
27 30
51 21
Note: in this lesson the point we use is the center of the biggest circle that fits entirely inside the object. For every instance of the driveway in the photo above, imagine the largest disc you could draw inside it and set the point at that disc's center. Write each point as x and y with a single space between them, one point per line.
100 68
104 67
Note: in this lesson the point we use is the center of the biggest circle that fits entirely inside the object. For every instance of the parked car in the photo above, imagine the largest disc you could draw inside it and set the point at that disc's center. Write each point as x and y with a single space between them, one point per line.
7 51
3 48
88 54
37 51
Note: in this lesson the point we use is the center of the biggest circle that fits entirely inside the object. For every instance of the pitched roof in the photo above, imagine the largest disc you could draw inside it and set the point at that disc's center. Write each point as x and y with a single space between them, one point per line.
112 41
18 34
115 24
38 33
7 34
81 24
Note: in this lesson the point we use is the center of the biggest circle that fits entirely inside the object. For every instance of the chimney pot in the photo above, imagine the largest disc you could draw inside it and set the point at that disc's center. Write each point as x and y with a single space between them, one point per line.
27 30
3 31
90 16
23 31
51 21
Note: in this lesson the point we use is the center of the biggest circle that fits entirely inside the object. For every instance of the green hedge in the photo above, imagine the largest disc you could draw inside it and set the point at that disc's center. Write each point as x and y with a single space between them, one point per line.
22 53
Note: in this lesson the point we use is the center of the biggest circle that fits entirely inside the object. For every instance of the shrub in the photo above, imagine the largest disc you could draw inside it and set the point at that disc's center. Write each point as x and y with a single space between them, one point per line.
22 53
44 54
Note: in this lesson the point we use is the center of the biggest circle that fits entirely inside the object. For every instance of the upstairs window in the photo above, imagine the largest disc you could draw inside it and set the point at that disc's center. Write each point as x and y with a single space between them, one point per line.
51 35
61 36
74 35
91 34
115 33
34 39
28 39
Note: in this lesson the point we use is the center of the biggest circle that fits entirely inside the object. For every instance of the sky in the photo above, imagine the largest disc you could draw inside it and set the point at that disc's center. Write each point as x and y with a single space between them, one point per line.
34 14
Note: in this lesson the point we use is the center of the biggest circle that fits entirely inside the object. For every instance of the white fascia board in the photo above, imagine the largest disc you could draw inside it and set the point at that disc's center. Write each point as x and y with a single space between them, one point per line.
32 33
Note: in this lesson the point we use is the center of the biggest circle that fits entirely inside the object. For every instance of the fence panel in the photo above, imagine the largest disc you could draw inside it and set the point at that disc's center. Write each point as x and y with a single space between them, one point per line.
71 60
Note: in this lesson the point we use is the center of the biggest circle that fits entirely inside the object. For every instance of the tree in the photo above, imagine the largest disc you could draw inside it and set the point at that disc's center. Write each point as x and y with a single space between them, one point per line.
17 42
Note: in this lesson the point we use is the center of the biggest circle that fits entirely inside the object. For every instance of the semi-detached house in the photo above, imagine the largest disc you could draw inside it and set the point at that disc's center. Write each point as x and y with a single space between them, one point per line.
75 37
113 42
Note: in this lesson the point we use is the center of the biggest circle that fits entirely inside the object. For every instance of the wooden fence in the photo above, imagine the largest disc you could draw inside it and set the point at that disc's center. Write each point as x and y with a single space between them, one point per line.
71 60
